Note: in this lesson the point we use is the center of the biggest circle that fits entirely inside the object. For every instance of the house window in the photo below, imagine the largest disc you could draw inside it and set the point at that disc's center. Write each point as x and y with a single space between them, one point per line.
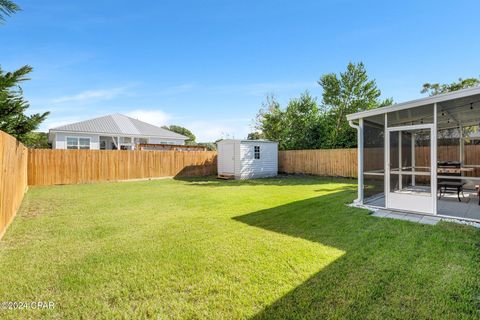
84 143
103 145
78 143
256 151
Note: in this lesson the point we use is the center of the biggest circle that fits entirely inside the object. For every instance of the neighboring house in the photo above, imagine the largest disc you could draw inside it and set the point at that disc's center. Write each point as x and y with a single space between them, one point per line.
246 159
112 132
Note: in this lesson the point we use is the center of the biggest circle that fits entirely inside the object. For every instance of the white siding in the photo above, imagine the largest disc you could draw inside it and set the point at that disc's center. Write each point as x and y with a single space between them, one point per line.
60 140
244 163
266 166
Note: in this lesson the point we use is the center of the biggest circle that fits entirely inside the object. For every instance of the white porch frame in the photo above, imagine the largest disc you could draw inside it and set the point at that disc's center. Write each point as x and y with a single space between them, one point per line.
388 171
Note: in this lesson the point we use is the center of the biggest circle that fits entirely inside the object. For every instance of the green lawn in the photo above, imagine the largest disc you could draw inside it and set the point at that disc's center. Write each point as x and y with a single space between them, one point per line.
268 248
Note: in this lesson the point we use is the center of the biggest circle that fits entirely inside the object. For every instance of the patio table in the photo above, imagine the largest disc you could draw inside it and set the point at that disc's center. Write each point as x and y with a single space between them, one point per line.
454 170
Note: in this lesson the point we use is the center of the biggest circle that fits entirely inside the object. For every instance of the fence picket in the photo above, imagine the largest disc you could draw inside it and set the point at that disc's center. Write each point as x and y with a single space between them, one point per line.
47 167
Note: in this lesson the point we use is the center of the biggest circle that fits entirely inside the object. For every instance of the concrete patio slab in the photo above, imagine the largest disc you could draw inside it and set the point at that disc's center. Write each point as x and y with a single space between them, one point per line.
419 218
395 215
380 213
429 220
412 217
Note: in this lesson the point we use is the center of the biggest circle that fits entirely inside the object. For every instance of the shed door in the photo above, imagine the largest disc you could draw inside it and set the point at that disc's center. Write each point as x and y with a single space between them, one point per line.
229 158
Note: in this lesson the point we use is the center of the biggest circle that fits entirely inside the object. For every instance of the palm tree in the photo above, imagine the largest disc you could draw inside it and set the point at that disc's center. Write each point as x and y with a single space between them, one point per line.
7 8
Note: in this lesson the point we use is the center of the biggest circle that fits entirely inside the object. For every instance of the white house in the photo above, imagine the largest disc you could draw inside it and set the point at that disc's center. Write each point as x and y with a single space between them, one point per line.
245 159
111 132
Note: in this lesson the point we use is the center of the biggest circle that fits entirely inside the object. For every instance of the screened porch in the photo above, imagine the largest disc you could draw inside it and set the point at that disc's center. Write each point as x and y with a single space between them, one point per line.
422 156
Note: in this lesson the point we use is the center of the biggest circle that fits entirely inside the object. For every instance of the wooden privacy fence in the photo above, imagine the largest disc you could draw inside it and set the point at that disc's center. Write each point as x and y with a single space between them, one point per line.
322 162
48 167
343 162
13 178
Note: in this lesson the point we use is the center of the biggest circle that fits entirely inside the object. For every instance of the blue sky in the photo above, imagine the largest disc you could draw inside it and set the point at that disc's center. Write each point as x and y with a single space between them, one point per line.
208 65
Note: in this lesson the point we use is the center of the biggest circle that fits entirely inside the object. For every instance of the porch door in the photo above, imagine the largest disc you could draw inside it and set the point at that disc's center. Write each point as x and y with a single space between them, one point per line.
409 169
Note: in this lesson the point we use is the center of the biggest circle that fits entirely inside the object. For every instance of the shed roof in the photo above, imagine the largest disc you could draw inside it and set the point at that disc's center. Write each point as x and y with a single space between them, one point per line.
246 140
119 124
460 94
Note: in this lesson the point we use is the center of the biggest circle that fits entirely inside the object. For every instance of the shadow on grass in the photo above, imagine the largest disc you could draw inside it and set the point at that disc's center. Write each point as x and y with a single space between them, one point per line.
280 180
391 269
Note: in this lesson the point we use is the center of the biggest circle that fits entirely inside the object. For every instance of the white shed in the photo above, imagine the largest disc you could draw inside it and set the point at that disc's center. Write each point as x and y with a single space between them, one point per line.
246 159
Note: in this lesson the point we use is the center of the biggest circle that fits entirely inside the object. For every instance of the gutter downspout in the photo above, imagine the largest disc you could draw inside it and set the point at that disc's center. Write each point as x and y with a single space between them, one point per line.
359 129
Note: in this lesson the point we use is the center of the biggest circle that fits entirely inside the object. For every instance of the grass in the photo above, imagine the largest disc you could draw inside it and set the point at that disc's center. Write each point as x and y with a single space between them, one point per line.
261 249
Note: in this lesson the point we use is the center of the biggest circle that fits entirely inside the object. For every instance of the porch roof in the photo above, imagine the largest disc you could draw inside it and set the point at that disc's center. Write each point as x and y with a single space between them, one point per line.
462 108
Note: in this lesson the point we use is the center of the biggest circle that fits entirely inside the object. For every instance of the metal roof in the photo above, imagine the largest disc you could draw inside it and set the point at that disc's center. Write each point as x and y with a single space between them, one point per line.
119 124
416 103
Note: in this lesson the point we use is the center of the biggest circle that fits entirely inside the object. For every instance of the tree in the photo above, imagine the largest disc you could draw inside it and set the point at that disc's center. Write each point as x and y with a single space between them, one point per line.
37 140
296 127
7 8
436 88
349 92
256 135
302 123
183 131
13 106
305 125
271 123
211 146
